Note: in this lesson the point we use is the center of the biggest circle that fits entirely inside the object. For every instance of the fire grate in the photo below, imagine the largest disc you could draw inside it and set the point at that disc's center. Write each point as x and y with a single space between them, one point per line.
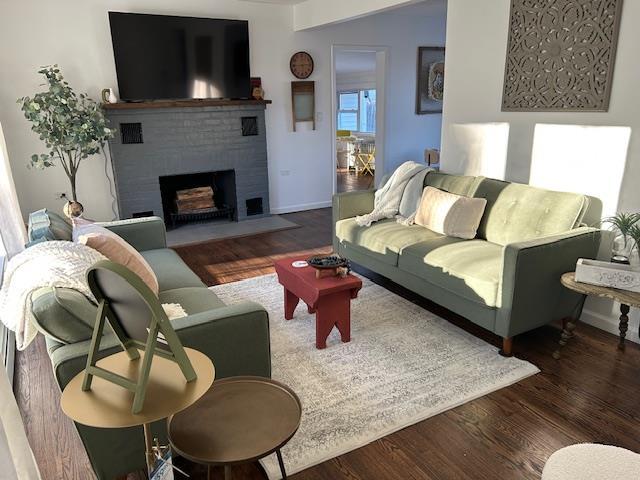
202 215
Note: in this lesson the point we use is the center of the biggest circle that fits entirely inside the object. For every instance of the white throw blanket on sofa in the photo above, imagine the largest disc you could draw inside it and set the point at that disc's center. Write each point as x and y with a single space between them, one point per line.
49 264
388 198
46 264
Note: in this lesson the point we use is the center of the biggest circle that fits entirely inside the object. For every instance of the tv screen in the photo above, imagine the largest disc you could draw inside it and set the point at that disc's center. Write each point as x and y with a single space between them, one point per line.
166 57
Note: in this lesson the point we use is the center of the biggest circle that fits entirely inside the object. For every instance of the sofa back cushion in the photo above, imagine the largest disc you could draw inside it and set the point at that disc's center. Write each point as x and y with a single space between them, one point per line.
517 212
458 184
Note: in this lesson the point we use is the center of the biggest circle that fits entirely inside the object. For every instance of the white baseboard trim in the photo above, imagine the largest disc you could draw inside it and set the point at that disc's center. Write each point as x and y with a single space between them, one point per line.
608 324
301 207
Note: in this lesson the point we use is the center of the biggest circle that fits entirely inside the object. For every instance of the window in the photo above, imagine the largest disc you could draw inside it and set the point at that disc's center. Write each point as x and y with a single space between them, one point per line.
357 111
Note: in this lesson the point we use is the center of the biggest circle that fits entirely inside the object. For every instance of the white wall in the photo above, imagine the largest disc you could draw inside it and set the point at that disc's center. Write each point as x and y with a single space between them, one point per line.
75 34
474 138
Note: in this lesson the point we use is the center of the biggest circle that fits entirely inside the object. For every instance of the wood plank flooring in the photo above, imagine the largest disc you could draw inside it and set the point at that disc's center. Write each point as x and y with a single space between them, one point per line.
591 395
348 181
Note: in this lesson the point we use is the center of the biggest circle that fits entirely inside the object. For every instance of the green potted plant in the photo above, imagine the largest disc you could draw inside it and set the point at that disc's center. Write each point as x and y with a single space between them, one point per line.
73 127
624 225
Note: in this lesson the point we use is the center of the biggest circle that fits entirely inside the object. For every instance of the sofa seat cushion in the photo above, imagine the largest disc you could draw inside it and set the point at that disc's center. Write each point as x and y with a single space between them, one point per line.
170 270
469 268
192 299
383 240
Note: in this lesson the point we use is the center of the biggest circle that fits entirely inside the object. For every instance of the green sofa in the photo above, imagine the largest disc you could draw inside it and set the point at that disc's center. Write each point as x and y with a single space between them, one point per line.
235 337
507 279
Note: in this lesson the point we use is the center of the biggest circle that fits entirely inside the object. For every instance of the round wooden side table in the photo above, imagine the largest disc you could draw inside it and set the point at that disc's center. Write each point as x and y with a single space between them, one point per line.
626 299
108 405
239 420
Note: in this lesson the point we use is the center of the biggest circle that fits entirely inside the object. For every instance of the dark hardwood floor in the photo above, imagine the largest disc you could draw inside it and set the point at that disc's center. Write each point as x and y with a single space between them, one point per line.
348 181
590 395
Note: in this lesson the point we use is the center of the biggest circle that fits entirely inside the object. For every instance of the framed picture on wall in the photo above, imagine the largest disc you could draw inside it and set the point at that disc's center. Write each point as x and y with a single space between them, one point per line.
430 82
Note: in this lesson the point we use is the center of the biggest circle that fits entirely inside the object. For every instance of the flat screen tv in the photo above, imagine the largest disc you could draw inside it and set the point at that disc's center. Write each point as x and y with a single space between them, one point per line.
166 57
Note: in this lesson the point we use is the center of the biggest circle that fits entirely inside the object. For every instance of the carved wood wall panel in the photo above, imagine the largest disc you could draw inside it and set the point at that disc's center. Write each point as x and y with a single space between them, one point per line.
560 55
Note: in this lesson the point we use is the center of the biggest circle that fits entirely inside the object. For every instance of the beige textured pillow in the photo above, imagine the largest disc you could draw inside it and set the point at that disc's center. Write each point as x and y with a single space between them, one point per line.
115 248
450 214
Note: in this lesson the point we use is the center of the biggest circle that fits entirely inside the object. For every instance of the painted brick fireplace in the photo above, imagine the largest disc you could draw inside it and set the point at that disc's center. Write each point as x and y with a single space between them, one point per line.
189 140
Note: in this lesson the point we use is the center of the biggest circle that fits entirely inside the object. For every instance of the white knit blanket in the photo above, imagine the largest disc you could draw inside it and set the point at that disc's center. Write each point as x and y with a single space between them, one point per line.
46 264
387 199
49 264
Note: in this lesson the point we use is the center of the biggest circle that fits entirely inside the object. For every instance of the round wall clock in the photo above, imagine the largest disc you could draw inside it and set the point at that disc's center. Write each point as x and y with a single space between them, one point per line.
301 65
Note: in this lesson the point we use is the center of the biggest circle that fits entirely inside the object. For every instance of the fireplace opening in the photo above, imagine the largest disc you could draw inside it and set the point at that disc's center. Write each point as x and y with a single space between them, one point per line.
198 197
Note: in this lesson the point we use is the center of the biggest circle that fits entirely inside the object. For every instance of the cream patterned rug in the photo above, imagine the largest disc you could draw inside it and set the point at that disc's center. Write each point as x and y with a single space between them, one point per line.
403 365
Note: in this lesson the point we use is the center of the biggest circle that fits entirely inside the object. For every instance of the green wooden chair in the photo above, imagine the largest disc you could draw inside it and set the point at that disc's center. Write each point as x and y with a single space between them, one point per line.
138 320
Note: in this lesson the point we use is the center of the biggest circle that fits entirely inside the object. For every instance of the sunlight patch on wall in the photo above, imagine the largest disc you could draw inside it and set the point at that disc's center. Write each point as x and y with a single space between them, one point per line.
478 149
581 158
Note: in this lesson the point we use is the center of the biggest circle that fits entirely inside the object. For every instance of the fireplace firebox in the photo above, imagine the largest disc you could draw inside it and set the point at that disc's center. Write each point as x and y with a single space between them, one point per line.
198 197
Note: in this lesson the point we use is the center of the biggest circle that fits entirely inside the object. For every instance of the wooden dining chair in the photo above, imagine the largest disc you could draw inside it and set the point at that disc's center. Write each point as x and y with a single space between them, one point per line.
366 158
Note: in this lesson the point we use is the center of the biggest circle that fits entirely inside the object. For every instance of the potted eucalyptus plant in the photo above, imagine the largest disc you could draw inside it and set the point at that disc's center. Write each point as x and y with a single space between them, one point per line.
625 226
73 127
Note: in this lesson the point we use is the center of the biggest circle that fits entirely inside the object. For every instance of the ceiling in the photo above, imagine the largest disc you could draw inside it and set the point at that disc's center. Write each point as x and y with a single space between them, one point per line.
355 62
426 8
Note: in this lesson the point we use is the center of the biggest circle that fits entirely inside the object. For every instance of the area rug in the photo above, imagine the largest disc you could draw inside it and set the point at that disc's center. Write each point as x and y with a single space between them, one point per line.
403 365
193 233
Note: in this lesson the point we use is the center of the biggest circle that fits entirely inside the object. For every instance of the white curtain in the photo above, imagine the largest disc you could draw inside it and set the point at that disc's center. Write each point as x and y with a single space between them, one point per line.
12 230
16 457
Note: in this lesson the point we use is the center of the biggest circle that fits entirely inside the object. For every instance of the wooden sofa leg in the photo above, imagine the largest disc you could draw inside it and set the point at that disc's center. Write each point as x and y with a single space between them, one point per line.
507 347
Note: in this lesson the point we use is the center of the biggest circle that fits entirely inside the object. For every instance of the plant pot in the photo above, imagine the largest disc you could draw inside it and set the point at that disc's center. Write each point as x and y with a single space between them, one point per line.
73 209
622 249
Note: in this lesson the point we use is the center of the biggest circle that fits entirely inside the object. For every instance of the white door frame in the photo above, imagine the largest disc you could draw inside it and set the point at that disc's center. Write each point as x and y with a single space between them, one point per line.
382 67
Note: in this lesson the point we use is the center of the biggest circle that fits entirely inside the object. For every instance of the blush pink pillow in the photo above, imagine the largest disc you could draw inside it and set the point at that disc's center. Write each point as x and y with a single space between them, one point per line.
115 248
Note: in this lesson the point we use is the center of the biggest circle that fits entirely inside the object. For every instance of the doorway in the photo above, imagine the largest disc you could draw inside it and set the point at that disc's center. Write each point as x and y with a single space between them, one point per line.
358 88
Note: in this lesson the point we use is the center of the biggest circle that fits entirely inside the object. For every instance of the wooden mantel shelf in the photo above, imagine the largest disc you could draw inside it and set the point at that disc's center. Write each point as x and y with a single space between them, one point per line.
206 102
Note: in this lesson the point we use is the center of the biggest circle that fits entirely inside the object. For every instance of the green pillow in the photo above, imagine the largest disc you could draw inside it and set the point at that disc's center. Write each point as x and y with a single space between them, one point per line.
63 314
45 225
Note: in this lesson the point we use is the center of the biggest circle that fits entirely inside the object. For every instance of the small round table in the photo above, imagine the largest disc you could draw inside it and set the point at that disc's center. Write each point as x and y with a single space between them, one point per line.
626 299
108 405
239 420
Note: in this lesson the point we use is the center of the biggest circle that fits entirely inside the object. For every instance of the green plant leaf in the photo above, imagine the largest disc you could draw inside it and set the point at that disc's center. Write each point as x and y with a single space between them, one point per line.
68 124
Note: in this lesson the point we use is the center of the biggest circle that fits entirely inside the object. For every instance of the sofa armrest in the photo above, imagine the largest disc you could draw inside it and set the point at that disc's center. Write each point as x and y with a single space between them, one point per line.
531 292
146 233
348 205
235 337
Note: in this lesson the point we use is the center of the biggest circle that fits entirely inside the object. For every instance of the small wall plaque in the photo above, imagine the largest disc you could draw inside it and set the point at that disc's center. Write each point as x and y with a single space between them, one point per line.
303 103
